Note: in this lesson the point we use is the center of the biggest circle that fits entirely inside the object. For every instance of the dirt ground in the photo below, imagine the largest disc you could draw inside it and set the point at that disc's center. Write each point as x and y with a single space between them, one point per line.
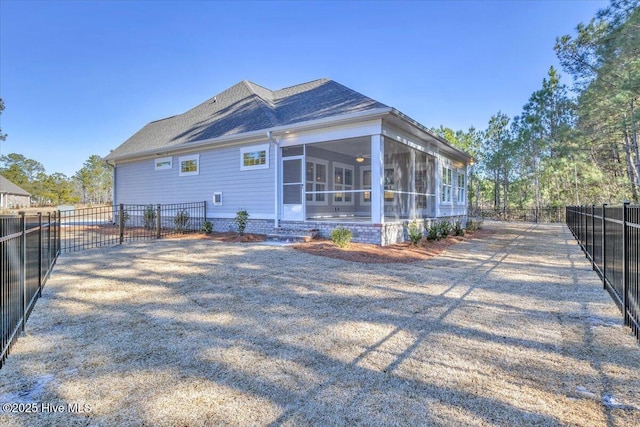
508 329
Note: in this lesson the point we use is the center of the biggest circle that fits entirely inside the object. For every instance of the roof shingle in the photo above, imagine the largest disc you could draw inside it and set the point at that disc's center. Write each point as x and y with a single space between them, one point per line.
247 107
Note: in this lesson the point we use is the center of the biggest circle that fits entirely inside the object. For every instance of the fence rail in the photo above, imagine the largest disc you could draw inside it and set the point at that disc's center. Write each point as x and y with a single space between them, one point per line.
543 214
30 245
112 225
610 239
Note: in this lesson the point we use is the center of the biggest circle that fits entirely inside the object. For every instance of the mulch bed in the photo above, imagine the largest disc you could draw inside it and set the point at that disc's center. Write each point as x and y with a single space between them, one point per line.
398 253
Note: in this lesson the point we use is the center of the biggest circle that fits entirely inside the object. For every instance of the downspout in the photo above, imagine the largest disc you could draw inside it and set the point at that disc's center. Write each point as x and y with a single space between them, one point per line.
276 179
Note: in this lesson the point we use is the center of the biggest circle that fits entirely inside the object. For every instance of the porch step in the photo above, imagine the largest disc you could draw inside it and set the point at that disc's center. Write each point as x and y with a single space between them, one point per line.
292 235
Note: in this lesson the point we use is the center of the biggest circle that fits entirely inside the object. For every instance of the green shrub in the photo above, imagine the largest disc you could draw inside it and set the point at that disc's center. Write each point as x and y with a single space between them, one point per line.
241 220
457 229
149 217
433 232
415 235
182 220
445 228
341 237
207 227
125 218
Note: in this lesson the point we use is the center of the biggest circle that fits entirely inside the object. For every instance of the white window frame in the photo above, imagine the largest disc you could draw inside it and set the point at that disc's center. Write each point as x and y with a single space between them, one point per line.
217 195
461 188
345 187
163 163
189 158
311 185
446 183
364 189
254 149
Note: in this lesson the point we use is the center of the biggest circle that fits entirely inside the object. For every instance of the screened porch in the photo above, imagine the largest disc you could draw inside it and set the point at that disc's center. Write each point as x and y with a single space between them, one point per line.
333 181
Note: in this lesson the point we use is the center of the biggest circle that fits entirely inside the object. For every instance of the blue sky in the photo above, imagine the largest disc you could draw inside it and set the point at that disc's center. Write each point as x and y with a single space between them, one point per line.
80 77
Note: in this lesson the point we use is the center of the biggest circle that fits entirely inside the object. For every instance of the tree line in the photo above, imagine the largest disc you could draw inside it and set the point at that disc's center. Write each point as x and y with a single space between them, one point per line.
571 144
92 184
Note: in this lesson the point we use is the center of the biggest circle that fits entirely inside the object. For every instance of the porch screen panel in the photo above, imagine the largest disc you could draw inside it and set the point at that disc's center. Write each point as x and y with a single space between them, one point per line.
399 198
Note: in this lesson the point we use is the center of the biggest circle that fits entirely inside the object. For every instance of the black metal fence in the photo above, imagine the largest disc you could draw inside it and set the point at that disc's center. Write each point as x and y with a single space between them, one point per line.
610 238
29 247
112 225
544 214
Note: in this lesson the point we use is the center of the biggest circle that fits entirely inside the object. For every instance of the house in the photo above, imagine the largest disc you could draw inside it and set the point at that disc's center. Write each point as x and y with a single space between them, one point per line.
311 156
12 196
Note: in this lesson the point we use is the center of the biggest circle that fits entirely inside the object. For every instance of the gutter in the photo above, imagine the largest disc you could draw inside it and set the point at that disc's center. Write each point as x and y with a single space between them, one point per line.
258 135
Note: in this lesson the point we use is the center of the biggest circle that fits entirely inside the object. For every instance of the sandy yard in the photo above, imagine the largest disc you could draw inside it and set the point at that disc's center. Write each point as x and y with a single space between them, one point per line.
508 329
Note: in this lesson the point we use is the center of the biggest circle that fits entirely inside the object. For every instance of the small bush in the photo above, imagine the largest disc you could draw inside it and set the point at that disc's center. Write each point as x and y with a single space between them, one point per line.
433 232
473 225
445 228
457 229
207 227
241 220
341 237
182 220
415 235
149 217
125 218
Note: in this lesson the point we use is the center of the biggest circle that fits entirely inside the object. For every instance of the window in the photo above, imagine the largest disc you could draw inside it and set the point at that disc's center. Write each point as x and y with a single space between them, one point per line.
163 163
447 178
389 180
316 180
342 181
460 187
254 157
190 165
217 199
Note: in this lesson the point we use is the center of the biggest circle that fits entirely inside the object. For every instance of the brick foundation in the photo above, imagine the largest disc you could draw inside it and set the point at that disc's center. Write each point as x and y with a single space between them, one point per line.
378 234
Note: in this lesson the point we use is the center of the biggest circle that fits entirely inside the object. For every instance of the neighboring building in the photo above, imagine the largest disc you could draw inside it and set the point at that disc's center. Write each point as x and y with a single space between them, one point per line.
314 155
12 196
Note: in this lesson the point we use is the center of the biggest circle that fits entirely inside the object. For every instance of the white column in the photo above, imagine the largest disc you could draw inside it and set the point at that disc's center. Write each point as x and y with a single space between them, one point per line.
438 189
377 179
412 184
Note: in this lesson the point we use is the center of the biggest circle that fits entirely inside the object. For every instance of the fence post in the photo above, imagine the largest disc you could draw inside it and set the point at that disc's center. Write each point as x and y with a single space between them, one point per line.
593 236
23 267
121 218
204 213
625 264
39 254
604 246
158 222
59 234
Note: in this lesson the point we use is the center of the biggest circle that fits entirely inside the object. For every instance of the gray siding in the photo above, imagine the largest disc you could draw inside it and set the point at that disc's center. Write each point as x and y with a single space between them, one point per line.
139 182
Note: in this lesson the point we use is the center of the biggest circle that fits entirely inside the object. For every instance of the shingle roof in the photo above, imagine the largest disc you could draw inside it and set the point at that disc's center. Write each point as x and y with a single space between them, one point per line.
247 107
9 187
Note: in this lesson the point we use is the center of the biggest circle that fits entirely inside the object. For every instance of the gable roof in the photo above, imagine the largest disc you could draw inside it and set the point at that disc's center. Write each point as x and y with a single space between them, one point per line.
247 107
9 187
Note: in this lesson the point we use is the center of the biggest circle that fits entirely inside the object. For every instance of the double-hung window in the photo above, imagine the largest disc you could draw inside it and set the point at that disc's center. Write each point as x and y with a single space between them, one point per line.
342 184
447 181
461 189
316 181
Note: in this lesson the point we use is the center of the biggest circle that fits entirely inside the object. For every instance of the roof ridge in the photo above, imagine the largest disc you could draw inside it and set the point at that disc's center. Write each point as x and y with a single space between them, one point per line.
263 104
358 93
323 79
